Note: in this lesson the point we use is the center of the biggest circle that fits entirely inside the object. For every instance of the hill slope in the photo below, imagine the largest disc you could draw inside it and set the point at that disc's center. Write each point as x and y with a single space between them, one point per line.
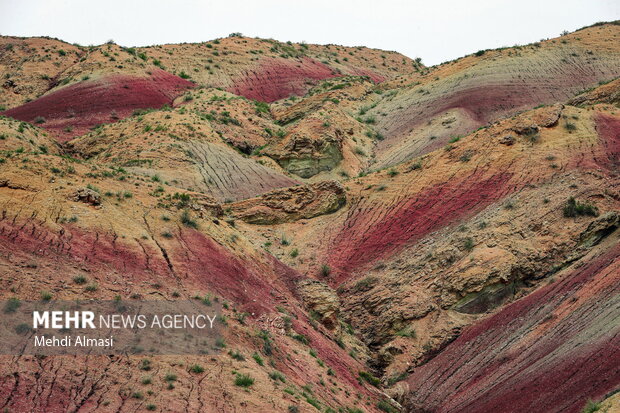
382 236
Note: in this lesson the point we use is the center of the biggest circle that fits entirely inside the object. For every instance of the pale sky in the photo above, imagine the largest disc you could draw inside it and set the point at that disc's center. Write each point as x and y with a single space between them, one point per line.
435 30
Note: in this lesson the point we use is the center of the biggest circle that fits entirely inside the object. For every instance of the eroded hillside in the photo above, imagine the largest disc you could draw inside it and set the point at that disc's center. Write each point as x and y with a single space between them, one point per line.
383 236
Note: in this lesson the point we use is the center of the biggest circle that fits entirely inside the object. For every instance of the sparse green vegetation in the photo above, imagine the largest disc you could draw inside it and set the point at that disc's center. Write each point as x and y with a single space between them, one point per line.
406 332
259 360
591 407
301 338
267 342
169 377
12 305
385 406
243 380
277 376
261 107
145 365
365 283
236 355
196 368
574 208
186 219
369 378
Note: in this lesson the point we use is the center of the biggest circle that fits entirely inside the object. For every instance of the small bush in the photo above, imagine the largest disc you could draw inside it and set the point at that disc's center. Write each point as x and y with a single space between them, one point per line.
325 270
261 107
267 342
12 305
236 355
313 402
91 288
145 365
386 407
480 52
369 378
574 208
46 296
415 166
294 253
301 338
80 279
259 360
277 376
186 219
22 329
243 380
365 283
196 368
570 127
406 332
591 407
170 377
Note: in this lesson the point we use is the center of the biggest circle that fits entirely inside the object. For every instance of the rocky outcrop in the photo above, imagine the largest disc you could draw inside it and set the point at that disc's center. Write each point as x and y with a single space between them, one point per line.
490 297
88 196
530 123
321 300
599 229
291 204
306 155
